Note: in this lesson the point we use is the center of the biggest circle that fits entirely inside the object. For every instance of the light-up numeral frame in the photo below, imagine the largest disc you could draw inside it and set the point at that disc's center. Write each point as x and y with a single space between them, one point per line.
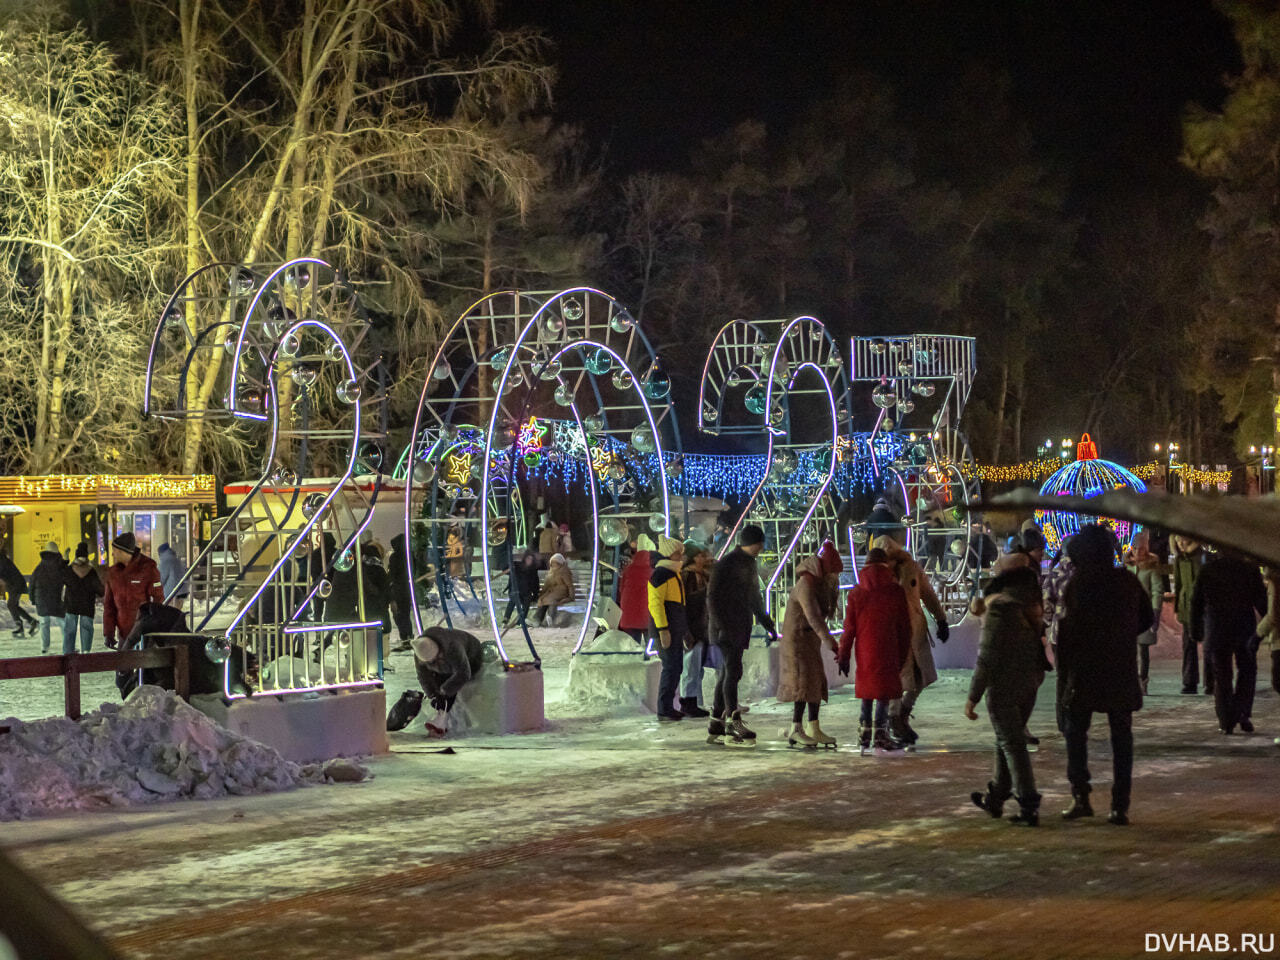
257 339
928 378
785 378
515 354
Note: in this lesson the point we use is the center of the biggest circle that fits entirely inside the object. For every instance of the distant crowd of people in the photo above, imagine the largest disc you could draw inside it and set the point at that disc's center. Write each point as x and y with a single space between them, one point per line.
66 594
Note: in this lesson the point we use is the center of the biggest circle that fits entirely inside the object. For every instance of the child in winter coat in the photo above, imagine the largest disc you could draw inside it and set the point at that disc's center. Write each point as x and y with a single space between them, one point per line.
877 632
1009 673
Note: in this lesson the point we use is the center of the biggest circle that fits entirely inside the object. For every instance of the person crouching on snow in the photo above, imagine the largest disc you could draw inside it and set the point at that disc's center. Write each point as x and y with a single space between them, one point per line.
1009 673
446 661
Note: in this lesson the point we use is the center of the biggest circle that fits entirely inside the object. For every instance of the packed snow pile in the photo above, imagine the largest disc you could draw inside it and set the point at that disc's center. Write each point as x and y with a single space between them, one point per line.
151 748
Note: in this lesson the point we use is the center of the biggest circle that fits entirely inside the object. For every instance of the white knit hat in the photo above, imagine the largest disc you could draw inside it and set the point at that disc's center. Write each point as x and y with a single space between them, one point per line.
669 546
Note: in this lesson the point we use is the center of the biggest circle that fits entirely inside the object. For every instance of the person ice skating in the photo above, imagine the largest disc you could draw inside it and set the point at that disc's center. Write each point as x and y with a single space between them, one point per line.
734 605
15 585
671 621
1106 610
523 589
445 661
877 638
802 678
1145 565
401 598
557 588
46 591
919 671
172 571
633 592
1226 602
132 580
1008 673
1188 560
695 574
81 588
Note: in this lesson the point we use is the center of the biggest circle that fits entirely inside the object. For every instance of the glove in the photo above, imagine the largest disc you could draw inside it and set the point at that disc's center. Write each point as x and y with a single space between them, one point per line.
944 631
664 638
110 642
439 703
689 642
844 666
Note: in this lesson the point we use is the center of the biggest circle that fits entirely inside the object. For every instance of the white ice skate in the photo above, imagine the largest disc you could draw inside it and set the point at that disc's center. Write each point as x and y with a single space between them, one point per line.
796 737
817 736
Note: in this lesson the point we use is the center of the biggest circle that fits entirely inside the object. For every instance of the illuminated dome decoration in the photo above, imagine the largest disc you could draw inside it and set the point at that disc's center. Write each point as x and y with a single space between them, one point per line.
1088 476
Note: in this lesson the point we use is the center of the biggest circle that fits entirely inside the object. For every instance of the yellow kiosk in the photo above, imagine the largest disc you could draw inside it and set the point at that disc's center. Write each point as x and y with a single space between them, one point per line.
69 508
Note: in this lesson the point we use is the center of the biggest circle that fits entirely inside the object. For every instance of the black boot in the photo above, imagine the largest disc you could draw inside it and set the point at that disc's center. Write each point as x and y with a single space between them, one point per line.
689 707
1028 814
901 731
1119 818
988 802
1080 807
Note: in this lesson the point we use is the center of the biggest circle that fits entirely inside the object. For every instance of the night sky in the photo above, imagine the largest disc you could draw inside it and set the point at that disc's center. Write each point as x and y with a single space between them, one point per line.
1101 85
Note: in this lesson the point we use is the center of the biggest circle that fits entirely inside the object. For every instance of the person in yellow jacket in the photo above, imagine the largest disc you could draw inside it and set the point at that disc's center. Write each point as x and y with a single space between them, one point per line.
670 620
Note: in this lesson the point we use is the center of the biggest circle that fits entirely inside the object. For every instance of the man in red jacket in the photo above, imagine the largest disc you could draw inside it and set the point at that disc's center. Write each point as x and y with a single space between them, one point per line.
132 580
877 628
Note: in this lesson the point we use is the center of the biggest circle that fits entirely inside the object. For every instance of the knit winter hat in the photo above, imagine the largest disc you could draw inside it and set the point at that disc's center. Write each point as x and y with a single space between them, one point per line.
669 546
82 550
51 547
750 535
557 558
829 557
126 542
1032 538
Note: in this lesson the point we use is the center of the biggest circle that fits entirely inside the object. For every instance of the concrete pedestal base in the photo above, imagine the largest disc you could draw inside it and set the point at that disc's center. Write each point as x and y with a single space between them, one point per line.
500 702
617 683
307 727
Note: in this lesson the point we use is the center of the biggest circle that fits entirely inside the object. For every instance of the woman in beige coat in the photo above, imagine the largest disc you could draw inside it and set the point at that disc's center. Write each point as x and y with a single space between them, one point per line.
919 670
802 677
557 588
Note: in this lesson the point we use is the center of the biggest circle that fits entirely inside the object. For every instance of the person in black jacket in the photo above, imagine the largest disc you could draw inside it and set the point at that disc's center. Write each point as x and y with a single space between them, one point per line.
1009 673
81 590
377 591
46 591
734 605
1105 609
523 587
398 590
1226 602
15 585
446 660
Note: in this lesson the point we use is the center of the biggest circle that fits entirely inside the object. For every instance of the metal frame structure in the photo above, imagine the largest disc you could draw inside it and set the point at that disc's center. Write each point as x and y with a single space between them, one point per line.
576 349
249 340
932 469
770 359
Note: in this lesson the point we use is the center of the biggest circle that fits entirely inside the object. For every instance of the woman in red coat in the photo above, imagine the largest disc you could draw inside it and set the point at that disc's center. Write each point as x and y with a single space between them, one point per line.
877 632
633 595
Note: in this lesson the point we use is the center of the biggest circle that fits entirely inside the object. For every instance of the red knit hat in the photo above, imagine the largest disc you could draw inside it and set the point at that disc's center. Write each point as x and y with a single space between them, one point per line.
829 557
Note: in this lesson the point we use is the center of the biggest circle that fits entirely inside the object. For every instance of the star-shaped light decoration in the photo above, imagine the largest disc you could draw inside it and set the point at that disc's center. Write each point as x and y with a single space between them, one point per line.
458 468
